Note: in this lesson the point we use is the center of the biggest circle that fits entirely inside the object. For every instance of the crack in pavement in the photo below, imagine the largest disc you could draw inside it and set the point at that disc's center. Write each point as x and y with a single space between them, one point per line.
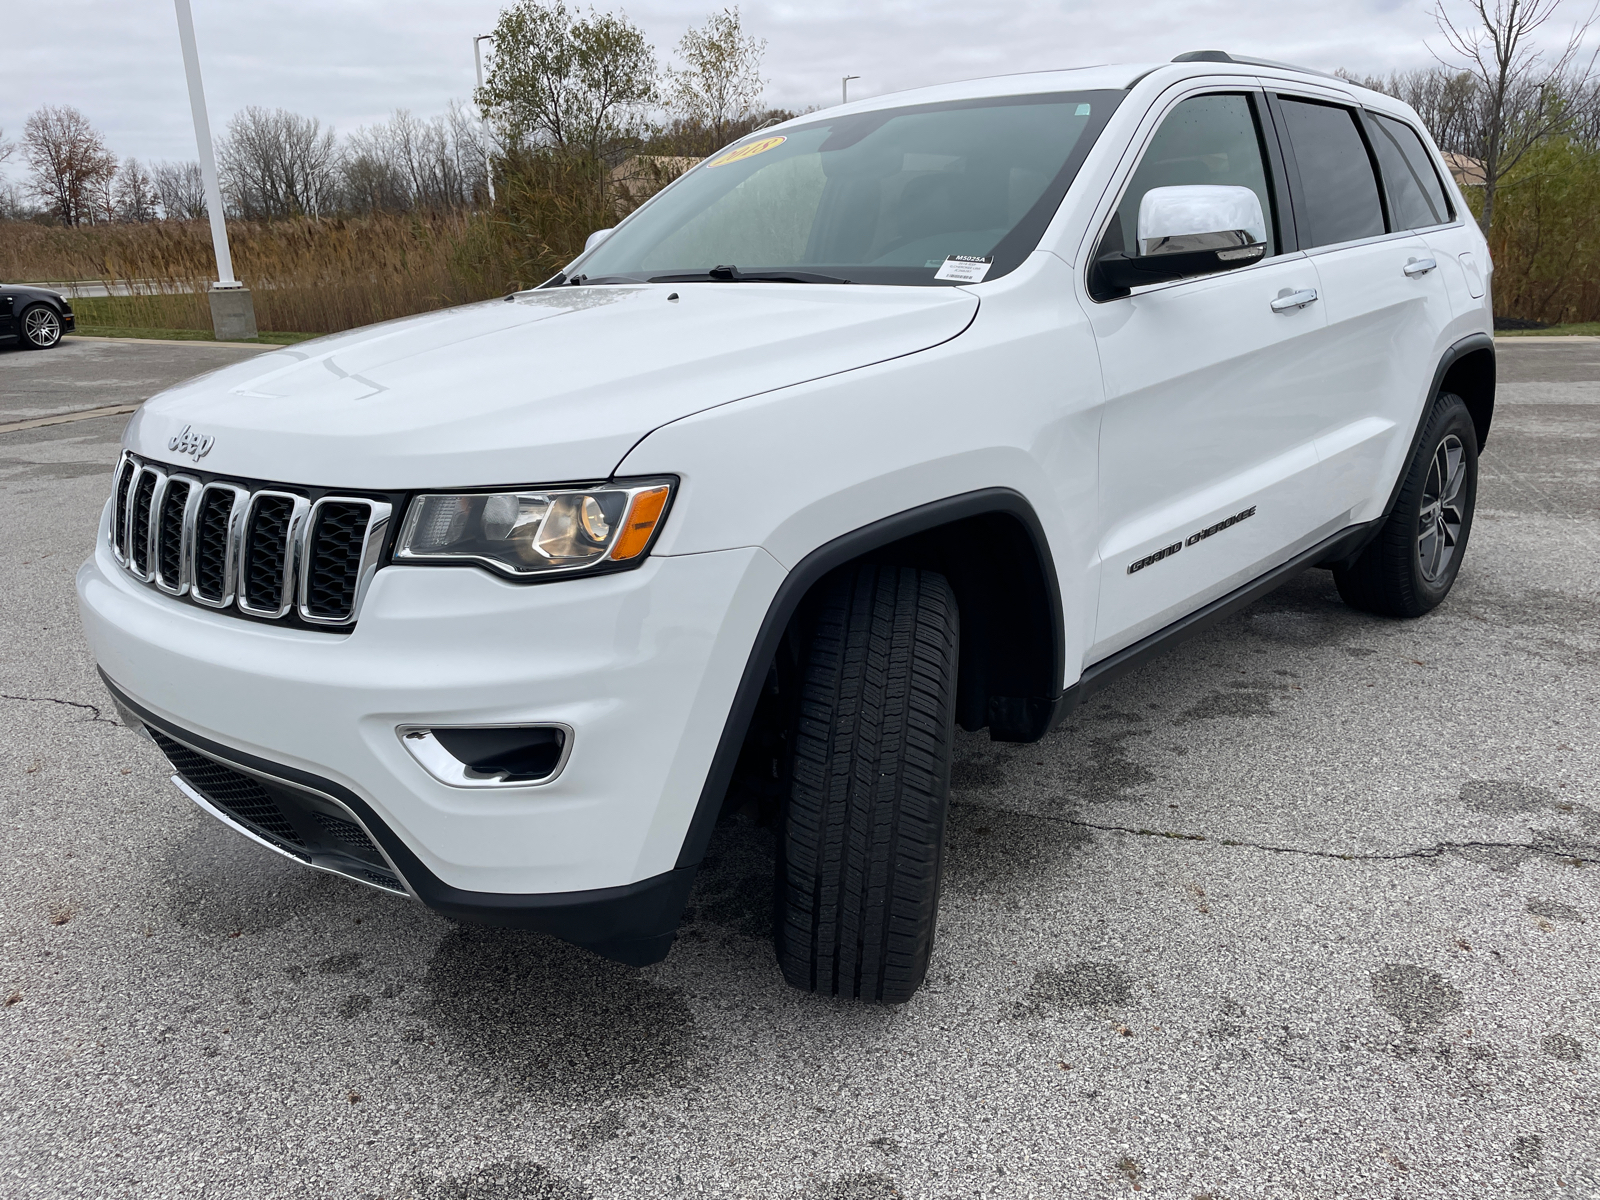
93 708
1433 851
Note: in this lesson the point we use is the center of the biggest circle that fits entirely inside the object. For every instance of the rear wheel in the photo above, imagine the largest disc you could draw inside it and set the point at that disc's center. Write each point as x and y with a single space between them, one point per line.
41 327
1412 564
863 825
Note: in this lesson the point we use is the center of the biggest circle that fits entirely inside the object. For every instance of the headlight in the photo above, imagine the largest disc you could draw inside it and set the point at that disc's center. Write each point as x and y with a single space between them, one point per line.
537 531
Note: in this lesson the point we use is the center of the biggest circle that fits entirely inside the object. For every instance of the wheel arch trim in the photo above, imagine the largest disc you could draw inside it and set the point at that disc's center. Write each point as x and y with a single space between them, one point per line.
806 574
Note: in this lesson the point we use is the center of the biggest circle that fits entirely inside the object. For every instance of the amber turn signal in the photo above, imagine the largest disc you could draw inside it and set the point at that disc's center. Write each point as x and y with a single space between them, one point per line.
644 514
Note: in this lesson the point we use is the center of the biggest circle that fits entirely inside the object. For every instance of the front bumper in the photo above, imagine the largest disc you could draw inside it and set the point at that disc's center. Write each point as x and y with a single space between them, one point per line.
641 665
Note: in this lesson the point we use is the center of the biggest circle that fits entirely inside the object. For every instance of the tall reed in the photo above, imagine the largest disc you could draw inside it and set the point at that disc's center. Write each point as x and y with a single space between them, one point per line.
310 275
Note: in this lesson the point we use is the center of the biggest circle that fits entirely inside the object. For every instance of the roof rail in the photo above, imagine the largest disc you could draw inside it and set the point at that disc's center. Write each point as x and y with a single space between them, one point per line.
1224 56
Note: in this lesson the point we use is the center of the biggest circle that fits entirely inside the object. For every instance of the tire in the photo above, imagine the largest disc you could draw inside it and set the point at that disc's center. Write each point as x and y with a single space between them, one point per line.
1410 566
862 840
41 327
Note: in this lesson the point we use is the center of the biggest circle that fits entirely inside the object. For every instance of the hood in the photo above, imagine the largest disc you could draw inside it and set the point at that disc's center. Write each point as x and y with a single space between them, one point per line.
546 387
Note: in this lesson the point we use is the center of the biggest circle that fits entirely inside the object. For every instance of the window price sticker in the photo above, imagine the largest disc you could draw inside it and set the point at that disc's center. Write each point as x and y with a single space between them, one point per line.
964 268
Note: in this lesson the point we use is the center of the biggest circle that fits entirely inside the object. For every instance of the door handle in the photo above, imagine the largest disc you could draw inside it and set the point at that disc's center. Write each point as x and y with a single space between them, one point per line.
1288 301
1416 268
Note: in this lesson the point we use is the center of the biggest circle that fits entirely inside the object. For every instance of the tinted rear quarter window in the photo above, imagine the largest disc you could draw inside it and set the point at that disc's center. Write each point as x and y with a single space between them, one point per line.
1338 199
1416 197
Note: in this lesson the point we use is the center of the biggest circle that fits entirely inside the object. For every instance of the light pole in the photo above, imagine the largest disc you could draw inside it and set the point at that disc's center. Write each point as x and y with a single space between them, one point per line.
844 88
233 314
477 60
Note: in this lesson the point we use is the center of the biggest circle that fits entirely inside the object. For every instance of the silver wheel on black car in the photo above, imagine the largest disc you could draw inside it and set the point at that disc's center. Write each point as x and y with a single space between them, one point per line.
41 327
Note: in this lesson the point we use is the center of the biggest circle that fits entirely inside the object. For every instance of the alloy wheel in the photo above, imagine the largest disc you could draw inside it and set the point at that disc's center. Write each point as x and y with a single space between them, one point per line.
42 327
1439 528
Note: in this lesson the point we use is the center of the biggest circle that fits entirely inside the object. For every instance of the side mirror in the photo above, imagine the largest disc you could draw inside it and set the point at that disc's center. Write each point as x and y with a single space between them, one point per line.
595 238
1193 229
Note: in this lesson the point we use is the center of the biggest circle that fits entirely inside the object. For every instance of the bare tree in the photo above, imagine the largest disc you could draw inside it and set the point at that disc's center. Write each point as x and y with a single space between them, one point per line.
278 164
576 84
133 194
12 205
7 149
70 166
1448 101
721 85
182 191
407 163
1526 94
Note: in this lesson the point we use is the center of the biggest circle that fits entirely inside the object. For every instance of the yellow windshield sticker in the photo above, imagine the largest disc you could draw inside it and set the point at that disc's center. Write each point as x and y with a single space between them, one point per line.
748 150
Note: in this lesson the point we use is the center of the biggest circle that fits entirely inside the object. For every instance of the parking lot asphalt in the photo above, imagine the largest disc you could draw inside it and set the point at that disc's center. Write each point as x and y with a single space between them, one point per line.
1309 908
85 372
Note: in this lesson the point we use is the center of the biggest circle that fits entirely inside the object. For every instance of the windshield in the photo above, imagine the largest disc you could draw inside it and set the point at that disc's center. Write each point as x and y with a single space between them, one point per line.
934 194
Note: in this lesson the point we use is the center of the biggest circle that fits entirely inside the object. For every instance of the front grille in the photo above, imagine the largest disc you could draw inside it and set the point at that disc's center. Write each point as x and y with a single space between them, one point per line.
284 555
139 540
169 556
266 551
303 823
333 565
241 796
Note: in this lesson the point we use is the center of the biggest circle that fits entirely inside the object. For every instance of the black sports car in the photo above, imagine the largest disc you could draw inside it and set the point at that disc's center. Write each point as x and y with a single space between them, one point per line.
35 316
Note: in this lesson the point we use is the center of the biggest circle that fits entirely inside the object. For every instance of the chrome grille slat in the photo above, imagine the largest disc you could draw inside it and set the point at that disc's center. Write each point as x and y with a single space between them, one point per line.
266 552
214 543
122 490
344 535
141 507
174 519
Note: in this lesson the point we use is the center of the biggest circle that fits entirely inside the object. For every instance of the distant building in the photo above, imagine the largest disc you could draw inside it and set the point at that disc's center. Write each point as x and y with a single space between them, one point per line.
643 175
1468 172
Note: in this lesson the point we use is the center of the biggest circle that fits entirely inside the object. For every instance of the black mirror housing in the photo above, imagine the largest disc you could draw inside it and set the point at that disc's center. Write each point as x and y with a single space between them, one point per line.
1114 275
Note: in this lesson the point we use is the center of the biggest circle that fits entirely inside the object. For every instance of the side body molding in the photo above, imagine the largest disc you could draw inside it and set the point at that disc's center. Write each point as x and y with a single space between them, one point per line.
1011 718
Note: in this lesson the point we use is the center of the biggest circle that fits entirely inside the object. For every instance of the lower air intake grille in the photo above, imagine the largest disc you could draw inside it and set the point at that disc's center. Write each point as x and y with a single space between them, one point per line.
333 557
266 551
239 795
346 832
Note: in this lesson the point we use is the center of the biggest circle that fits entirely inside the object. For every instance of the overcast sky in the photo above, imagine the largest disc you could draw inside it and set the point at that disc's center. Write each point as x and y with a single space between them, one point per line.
351 62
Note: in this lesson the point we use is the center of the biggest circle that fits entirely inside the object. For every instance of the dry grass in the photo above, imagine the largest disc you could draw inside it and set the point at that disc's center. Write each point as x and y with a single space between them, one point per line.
321 275
306 276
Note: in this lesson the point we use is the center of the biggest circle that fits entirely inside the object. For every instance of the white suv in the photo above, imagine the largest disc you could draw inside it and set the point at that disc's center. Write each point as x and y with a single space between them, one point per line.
940 408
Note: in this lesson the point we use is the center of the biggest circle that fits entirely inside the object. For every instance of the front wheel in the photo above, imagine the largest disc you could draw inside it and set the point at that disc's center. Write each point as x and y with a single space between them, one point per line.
1409 568
863 824
41 327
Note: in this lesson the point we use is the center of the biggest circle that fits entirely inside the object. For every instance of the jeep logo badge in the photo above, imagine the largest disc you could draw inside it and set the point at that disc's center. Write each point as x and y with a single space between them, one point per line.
196 445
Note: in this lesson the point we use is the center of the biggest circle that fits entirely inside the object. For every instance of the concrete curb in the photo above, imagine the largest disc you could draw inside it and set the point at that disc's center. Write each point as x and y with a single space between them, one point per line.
86 337
87 414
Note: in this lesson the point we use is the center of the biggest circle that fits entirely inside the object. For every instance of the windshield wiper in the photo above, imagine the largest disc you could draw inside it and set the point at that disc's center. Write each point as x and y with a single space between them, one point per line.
731 274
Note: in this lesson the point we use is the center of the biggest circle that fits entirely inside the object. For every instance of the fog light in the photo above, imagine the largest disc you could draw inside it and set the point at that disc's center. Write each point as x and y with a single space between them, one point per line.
489 756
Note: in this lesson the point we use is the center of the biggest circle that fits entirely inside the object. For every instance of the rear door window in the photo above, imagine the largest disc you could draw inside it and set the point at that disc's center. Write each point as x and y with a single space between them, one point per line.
1417 199
1338 199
